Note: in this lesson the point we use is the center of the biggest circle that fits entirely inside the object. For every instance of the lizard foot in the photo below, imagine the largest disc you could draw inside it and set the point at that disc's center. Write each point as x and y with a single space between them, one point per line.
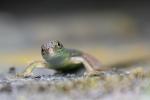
24 74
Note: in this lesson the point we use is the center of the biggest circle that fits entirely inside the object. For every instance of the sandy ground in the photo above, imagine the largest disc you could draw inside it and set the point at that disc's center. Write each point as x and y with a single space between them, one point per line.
115 84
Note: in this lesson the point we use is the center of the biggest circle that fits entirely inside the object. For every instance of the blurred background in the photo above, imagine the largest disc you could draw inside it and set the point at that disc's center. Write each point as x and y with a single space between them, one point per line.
111 30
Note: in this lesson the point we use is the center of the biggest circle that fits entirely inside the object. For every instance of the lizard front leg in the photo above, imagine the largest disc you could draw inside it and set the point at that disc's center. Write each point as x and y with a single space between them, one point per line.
31 66
90 71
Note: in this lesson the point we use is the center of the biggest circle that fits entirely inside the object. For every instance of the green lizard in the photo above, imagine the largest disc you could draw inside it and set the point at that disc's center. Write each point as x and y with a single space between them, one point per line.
61 59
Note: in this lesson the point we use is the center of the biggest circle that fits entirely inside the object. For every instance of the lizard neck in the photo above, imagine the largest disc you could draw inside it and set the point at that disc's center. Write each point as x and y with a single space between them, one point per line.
59 57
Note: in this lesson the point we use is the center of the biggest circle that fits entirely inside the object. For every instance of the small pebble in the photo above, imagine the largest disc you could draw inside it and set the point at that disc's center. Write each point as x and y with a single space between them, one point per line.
12 70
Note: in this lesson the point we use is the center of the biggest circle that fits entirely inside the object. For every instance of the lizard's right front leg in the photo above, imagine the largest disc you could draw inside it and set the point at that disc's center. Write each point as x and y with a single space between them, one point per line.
31 66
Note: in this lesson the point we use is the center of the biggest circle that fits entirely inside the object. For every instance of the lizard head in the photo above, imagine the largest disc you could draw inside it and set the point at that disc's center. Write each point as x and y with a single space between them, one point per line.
51 49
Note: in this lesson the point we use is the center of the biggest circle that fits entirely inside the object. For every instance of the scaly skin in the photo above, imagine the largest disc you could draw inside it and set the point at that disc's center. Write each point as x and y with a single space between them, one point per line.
57 57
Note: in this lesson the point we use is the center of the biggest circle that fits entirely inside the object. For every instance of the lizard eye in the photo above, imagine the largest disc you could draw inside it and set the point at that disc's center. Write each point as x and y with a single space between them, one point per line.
59 44
42 50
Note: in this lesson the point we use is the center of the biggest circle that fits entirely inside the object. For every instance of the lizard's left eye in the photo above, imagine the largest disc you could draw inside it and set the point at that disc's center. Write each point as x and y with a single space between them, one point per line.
59 44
